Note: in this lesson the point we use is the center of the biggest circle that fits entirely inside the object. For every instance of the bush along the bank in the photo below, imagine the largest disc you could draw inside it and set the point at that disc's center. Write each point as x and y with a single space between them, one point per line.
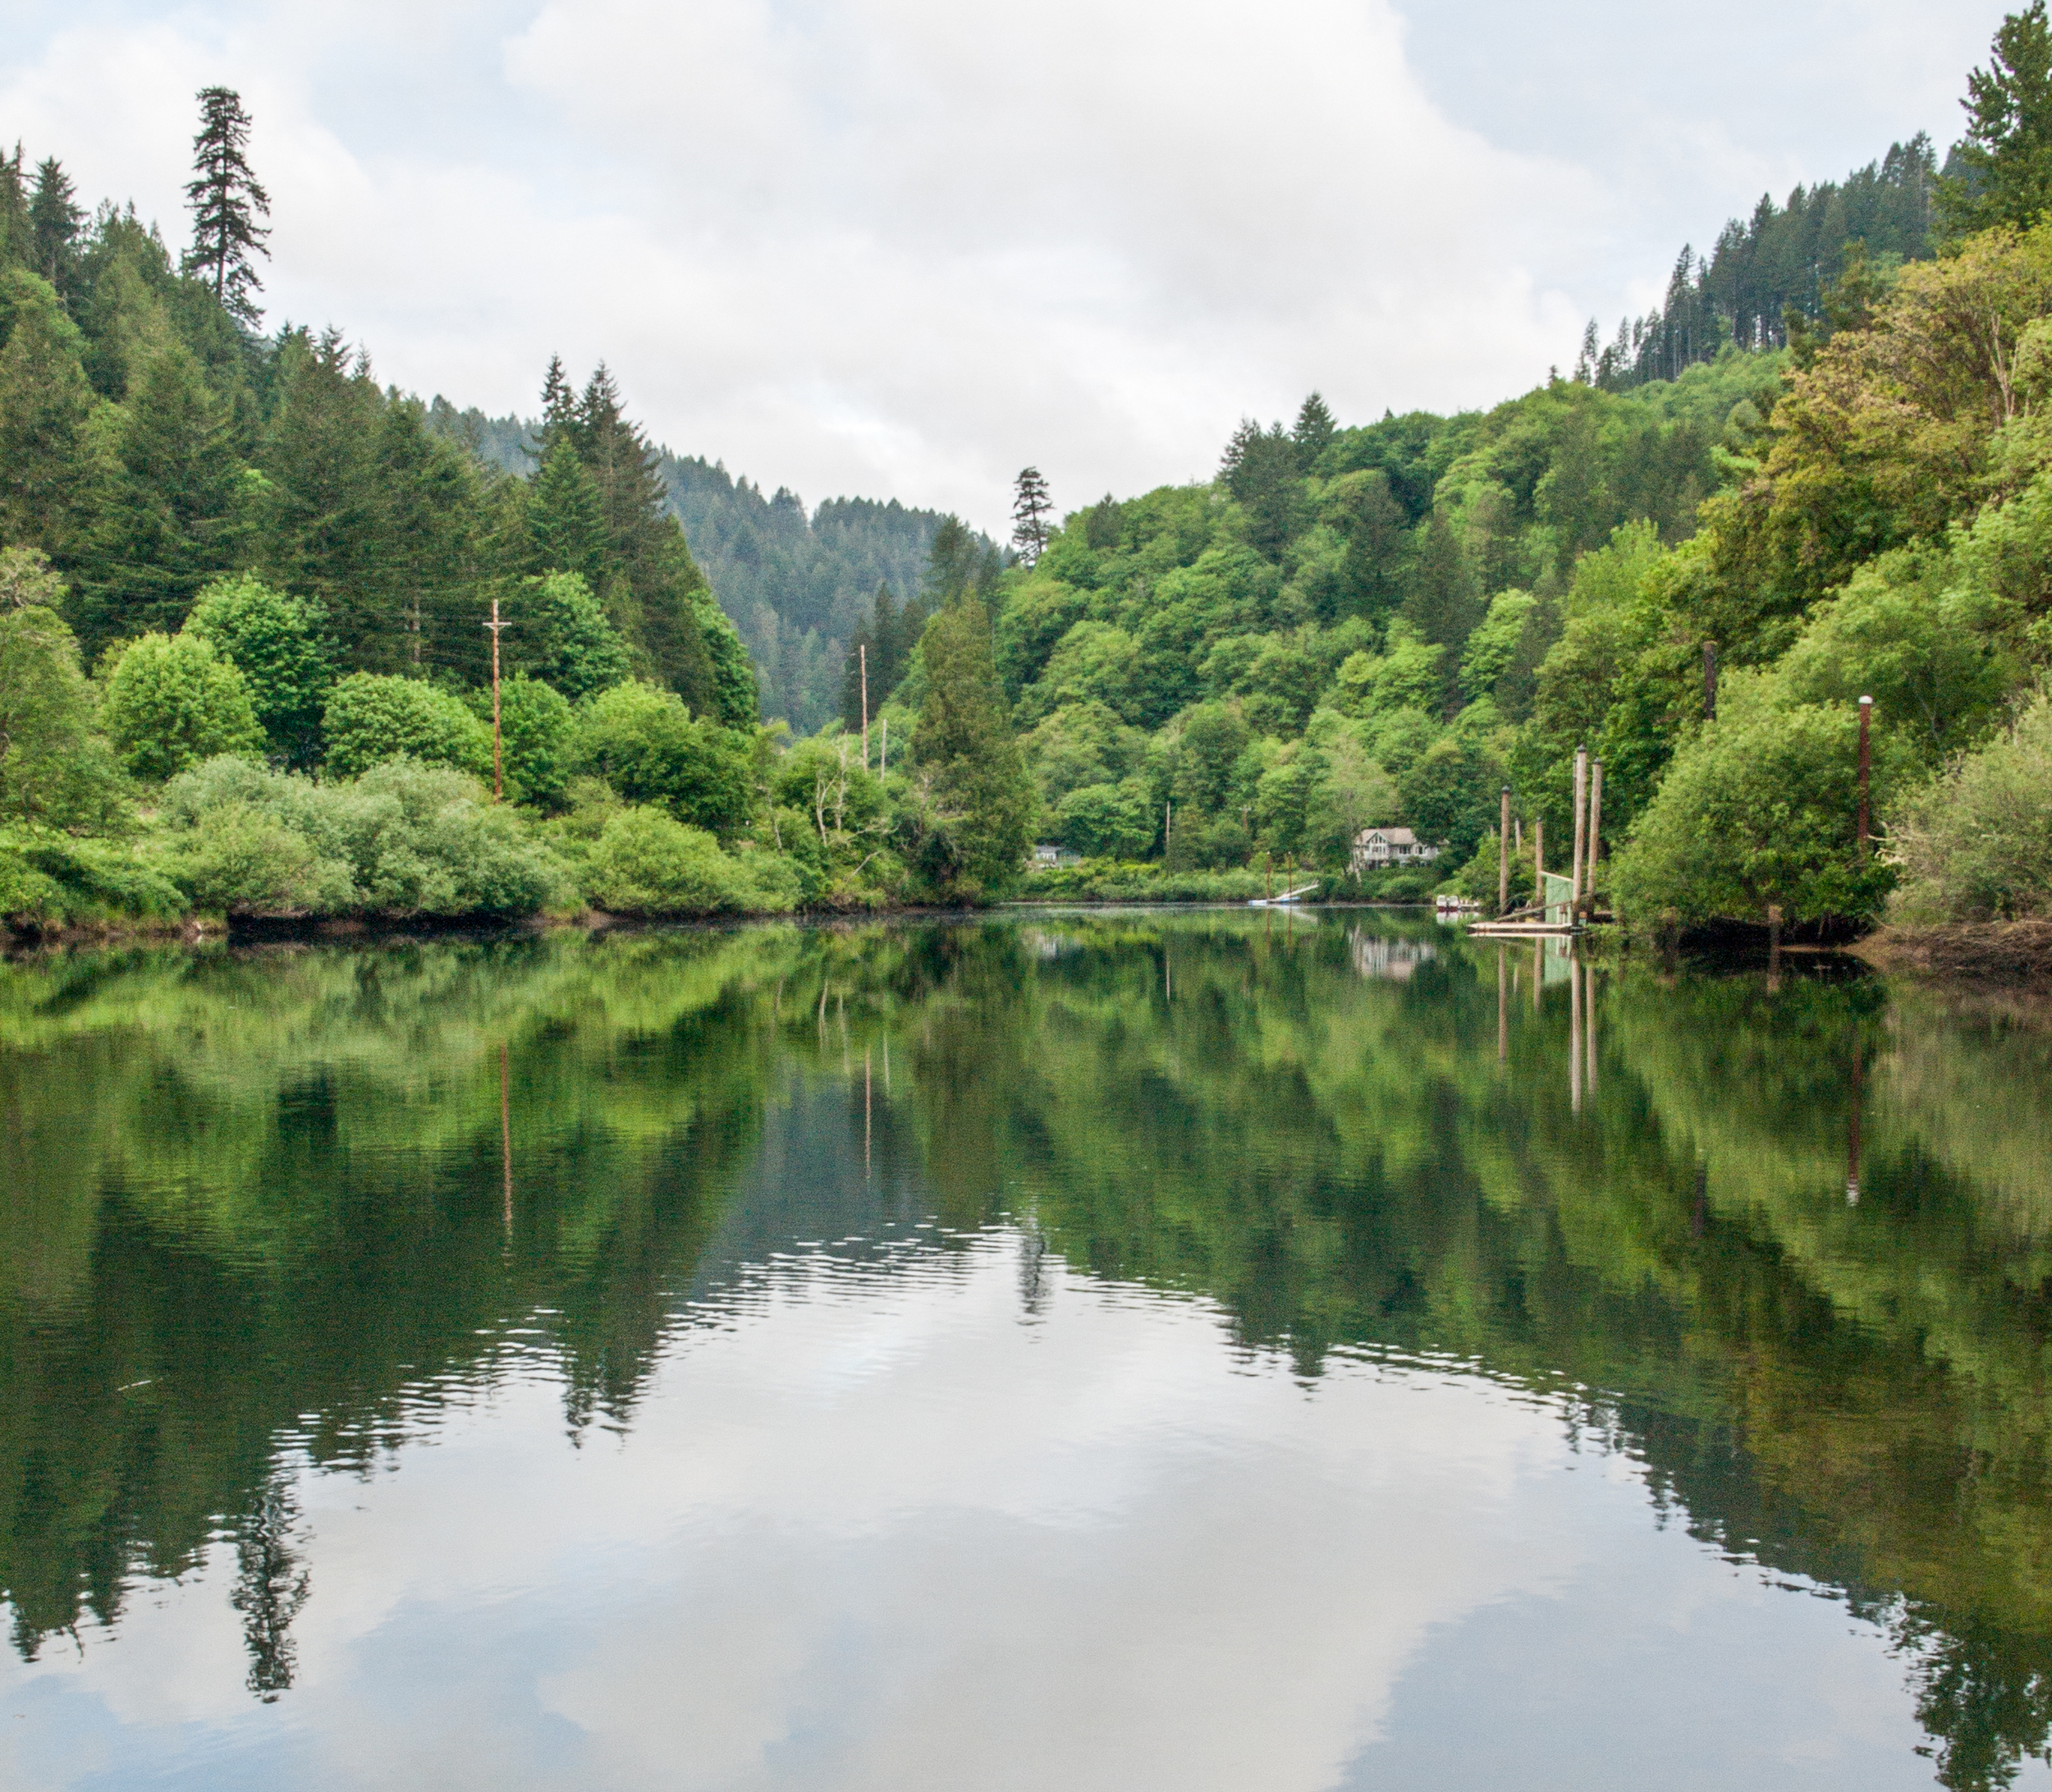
403 839
1759 812
1974 842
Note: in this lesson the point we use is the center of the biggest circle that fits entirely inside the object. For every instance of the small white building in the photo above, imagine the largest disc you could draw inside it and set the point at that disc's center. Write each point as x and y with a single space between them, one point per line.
1048 853
1376 847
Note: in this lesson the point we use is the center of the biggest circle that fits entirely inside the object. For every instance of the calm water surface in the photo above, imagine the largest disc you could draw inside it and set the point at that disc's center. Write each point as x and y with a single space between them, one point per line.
1118 1350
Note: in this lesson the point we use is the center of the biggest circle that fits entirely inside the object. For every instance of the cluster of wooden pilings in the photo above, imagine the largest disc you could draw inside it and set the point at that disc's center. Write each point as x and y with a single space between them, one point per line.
1577 906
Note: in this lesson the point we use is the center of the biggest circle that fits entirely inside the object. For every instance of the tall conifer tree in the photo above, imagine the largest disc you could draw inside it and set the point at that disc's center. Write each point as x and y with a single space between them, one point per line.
225 202
1031 507
55 216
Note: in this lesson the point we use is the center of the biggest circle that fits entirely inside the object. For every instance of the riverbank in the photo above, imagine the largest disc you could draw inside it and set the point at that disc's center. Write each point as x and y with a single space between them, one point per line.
1995 951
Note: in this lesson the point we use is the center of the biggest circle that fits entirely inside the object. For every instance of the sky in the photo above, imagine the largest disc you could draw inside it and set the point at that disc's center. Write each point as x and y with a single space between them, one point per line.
898 247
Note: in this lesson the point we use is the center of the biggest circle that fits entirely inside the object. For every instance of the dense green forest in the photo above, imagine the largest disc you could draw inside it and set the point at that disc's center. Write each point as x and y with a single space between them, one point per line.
221 544
285 1224
1390 624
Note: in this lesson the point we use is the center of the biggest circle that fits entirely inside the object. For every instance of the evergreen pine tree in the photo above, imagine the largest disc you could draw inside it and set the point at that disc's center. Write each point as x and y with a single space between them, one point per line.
47 461
17 238
559 410
566 521
172 516
54 219
1377 556
320 506
661 600
1315 429
1031 507
979 781
1442 604
2006 157
225 201
1261 469
955 561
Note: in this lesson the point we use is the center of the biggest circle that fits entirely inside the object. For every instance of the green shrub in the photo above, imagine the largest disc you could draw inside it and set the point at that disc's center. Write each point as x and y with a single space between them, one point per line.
646 862
371 716
54 769
1974 843
402 839
279 644
171 701
1109 821
643 741
48 879
1760 809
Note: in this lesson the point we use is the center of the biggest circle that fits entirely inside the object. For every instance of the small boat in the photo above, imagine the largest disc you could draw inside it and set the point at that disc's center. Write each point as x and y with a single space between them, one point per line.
1285 898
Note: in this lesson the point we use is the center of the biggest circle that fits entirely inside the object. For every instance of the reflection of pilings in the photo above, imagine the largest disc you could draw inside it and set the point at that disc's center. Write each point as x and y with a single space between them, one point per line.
1588 974
505 1140
1699 1220
865 1113
1538 971
1503 1014
1574 1036
1853 1134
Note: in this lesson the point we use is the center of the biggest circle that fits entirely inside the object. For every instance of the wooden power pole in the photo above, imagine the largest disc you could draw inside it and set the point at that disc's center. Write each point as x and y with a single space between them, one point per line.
862 649
498 781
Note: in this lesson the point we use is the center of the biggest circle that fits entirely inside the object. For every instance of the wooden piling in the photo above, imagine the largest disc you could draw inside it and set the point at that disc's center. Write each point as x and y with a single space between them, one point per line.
1710 680
1503 853
1539 864
1595 827
1575 869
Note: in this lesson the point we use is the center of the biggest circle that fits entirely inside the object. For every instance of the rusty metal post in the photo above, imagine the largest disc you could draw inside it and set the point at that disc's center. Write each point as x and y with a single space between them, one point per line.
1867 714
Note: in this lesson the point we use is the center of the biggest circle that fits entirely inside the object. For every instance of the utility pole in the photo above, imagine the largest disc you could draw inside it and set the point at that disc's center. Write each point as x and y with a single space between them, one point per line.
498 781
862 650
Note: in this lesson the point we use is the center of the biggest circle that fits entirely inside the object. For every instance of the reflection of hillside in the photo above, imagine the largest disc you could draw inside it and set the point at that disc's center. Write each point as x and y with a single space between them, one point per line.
287 1198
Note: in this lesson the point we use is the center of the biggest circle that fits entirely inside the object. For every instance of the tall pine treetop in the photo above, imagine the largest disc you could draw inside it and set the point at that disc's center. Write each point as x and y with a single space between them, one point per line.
225 202
1031 507
2006 155
54 218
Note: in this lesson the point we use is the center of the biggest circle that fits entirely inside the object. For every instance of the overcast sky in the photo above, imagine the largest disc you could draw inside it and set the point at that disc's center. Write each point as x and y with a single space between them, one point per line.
898 248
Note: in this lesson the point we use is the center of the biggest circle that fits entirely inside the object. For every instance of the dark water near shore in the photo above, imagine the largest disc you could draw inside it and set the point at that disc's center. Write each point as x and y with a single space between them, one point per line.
1119 1351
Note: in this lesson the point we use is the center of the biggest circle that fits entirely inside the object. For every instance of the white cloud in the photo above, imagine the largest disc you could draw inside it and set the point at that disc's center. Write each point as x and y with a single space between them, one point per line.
868 1530
900 248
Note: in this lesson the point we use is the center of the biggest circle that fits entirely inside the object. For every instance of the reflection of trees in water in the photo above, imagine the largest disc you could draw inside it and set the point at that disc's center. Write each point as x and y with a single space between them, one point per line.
1315 1128
1983 1696
270 1587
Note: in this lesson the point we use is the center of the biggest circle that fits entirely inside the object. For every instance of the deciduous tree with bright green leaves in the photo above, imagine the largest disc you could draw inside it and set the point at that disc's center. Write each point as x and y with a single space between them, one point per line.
370 717
170 701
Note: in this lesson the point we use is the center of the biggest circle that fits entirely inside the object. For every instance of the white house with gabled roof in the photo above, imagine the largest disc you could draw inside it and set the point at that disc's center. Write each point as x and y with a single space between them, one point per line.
1376 847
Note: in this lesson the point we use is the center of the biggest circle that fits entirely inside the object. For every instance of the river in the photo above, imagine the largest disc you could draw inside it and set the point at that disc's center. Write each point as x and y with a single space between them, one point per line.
1107 1349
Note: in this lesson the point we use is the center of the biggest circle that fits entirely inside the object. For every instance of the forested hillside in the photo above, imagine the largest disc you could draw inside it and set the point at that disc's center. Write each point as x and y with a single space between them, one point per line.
1775 269
151 442
1391 623
799 587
